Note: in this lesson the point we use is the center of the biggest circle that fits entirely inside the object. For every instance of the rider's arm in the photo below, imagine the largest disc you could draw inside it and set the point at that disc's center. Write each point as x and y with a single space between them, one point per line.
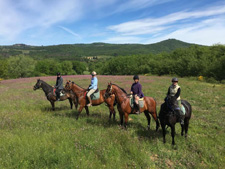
94 83
139 90
178 93
168 92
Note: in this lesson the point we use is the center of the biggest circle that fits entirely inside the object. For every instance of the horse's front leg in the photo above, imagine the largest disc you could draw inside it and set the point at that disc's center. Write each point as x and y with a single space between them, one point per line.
87 110
186 124
164 131
53 105
173 133
121 119
126 119
71 103
79 111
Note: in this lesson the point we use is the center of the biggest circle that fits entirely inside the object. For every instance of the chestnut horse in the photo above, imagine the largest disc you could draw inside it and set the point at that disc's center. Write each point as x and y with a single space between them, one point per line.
82 100
123 104
48 90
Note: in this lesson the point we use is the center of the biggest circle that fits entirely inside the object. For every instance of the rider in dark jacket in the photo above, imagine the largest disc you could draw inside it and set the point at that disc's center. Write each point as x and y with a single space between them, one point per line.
136 91
58 86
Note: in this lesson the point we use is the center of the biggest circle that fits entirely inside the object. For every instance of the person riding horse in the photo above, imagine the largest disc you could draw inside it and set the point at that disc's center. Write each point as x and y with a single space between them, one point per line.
175 90
136 91
92 87
58 86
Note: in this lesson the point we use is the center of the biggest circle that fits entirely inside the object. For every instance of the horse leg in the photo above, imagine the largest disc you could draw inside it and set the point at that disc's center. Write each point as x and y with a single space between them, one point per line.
164 132
182 130
126 120
79 111
148 118
154 115
186 124
71 103
173 133
121 119
53 105
87 110
114 115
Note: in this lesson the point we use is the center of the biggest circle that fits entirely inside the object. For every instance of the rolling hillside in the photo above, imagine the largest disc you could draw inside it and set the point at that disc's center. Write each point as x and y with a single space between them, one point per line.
76 51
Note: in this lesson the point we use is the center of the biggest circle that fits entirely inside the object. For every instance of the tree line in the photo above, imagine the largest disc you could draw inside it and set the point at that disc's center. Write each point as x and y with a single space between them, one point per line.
196 60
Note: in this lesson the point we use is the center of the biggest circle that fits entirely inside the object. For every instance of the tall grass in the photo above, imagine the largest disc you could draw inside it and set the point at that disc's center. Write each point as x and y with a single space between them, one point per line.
33 136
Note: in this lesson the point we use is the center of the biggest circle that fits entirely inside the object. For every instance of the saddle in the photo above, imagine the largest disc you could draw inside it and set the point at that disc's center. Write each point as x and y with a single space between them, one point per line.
140 102
61 92
94 96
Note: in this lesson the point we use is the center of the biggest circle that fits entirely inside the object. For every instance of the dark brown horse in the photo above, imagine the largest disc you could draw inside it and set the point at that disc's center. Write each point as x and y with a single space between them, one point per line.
123 104
82 100
169 115
48 90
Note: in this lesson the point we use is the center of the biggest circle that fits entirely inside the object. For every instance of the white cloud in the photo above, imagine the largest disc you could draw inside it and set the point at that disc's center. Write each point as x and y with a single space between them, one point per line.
123 39
203 27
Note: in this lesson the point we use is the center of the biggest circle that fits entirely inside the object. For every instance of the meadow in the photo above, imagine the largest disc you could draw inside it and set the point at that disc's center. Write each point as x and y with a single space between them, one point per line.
33 136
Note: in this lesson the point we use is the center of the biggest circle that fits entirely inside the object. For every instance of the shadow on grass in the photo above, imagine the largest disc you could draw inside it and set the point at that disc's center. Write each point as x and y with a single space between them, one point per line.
61 108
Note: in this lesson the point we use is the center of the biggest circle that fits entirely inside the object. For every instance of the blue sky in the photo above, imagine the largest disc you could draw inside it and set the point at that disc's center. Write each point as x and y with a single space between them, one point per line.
53 22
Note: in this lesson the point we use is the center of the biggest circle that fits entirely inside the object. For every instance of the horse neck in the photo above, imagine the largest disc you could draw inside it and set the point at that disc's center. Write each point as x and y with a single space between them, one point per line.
46 87
77 89
120 95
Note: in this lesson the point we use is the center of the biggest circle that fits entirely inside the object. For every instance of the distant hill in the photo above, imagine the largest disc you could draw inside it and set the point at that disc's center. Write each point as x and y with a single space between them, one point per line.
78 51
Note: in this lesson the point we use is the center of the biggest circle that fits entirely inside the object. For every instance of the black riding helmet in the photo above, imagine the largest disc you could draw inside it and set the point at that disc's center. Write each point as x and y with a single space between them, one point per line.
58 74
174 79
136 77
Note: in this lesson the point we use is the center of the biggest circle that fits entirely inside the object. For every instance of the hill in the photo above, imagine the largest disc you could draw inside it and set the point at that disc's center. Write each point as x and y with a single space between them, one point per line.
78 51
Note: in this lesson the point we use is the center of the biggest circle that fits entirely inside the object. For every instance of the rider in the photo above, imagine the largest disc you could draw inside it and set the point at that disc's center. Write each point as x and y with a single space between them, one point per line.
174 90
58 86
136 91
93 87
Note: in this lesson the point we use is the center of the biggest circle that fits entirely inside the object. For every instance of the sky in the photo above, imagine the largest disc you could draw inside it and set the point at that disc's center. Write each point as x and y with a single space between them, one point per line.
53 22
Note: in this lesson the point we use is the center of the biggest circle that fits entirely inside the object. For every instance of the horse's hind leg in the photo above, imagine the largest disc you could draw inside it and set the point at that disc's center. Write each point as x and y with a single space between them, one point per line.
186 125
154 115
148 118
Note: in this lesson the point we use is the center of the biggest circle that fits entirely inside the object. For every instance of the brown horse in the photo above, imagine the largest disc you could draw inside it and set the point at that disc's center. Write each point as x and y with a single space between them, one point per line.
123 104
82 100
48 90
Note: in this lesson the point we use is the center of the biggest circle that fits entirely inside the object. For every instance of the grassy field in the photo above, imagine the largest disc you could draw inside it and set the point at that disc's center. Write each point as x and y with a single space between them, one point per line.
33 136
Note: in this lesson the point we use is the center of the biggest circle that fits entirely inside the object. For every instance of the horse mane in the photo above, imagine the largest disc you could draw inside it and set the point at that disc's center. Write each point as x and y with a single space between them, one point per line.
45 82
120 88
78 85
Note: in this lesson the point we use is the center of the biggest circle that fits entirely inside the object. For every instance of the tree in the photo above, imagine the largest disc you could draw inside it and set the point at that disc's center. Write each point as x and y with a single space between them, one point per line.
3 68
20 66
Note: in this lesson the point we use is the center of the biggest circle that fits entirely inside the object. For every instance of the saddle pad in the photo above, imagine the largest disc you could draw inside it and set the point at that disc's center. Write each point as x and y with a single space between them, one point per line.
141 103
131 102
95 96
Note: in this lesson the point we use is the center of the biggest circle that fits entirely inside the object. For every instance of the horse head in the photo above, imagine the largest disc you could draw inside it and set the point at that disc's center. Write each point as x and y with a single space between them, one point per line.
38 84
68 85
109 90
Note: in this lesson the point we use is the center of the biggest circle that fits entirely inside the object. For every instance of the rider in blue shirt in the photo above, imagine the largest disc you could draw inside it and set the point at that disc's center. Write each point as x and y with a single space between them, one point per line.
93 87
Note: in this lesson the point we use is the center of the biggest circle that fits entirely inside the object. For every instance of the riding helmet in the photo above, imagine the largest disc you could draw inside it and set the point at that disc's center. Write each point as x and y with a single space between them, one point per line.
175 79
136 77
58 74
93 73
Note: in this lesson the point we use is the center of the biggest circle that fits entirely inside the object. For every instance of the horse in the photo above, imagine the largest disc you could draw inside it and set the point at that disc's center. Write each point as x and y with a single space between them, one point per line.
48 90
123 104
169 115
82 100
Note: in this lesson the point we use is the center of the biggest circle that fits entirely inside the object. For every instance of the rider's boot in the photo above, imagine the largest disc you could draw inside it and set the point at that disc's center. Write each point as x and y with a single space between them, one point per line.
90 103
182 119
138 109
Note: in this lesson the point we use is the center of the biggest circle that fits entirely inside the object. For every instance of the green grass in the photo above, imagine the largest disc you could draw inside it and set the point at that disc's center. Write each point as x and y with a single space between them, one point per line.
32 136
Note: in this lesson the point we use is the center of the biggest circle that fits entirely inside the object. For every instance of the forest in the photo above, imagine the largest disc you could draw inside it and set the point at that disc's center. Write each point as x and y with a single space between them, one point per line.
192 61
